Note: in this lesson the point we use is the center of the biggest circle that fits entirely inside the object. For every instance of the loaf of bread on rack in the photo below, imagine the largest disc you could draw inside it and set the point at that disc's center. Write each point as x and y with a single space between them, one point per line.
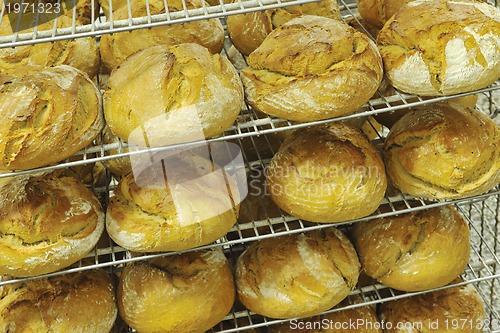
115 48
414 251
189 292
48 115
312 68
248 31
443 151
432 48
194 203
191 95
81 53
115 5
83 10
77 302
327 173
47 223
297 275
362 319
456 309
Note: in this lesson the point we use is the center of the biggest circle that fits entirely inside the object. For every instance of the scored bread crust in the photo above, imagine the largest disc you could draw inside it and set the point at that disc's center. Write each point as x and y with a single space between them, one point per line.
443 151
417 251
433 48
327 174
297 275
115 48
190 292
249 30
81 302
312 68
51 224
48 114
181 79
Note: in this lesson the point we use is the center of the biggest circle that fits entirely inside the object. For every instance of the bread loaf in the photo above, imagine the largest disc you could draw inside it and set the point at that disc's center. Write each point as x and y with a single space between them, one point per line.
190 93
297 275
81 302
48 115
452 310
81 53
415 251
248 31
190 292
312 68
115 4
443 151
196 206
117 47
46 223
432 48
327 173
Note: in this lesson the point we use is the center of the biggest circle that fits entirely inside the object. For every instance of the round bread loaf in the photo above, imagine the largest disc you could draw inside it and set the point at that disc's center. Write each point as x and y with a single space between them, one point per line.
297 275
115 48
248 31
453 310
196 206
415 251
48 115
433 48
312 68
81 302
356 320
327 173
377 12
81 53
190 292
190 93
443 151
46 223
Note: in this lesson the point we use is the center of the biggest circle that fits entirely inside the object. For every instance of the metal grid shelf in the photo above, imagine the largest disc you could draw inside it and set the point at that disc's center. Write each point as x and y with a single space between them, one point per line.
100 25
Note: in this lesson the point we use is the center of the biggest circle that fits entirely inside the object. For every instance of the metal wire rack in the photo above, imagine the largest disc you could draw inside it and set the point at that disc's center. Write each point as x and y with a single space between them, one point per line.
259 137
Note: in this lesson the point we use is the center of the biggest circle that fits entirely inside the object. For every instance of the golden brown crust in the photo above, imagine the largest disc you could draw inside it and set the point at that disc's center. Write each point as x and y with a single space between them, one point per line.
248 31
456 309
196 208
115 48
79 302
377 12
415 251
297 275
190 292
48 115
436 152
46 224
314 55
327 174
435 48
190 93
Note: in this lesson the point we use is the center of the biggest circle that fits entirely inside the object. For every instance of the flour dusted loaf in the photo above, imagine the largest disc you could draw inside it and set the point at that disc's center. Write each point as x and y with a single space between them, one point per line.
81 53
197 205
48 114
297 275
453 310
115 48
81 302
312 68
248 31
328 173
47 223
189 92
432 48
190 292
415 251
443 151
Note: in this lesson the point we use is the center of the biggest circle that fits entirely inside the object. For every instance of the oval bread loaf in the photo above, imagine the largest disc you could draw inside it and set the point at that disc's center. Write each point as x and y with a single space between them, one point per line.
312 68
433 48
47 223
